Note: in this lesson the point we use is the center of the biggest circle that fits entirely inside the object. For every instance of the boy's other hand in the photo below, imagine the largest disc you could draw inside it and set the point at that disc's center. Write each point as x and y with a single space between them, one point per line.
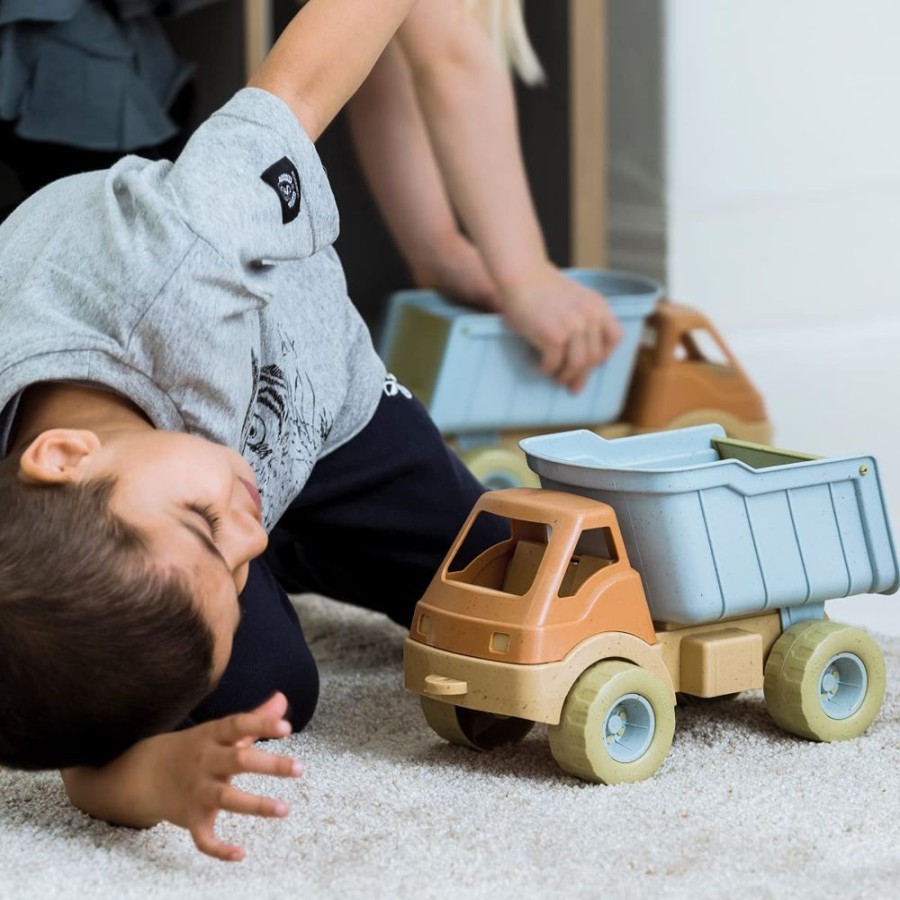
194 769
570 325
184 777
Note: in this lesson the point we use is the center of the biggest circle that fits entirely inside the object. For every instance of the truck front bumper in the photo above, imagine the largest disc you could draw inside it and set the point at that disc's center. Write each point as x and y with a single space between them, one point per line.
533 692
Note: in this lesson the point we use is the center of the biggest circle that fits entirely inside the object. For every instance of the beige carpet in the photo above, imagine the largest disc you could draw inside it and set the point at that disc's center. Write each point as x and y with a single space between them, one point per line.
387 810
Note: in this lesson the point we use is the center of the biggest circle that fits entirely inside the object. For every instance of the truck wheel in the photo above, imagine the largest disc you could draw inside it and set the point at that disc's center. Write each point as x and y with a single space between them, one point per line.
617 724
824 681
472 727
497 468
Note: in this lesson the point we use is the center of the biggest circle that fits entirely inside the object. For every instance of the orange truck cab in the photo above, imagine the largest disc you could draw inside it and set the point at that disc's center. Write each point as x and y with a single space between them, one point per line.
497 645
685 374
562 576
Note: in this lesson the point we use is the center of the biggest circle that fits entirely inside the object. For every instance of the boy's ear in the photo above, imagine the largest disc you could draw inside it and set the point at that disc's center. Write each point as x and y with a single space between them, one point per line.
53 457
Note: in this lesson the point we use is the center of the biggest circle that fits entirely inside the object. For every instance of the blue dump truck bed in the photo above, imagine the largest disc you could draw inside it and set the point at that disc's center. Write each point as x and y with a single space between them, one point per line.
474 374
720 528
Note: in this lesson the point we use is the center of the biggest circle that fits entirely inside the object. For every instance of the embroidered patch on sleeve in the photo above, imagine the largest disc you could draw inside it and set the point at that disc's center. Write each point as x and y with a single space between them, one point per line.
282 177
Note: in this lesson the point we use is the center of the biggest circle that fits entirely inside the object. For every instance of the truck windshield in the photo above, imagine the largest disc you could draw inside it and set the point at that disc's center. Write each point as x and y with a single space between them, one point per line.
509 566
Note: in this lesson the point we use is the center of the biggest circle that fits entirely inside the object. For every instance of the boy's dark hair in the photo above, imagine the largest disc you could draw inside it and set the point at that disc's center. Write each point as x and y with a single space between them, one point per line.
98 647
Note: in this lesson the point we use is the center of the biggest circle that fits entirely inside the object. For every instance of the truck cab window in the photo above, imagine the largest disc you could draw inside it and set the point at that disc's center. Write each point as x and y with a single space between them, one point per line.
594 551
510 566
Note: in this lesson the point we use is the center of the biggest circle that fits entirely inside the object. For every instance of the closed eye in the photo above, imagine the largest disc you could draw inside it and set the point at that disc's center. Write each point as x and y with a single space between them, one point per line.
211 517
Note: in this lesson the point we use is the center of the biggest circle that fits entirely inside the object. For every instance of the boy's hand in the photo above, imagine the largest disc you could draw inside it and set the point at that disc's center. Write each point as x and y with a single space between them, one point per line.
185 777
195 768
571 326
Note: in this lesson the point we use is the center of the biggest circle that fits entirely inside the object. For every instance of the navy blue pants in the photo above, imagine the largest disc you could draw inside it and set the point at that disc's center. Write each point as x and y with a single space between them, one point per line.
370 527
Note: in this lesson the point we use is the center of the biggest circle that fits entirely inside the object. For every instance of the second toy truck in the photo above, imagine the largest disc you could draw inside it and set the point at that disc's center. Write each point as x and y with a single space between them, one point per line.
482 387
651 567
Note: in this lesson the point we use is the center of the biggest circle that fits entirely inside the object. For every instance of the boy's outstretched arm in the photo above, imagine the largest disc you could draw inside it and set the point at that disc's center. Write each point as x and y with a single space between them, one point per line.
185 777
325 54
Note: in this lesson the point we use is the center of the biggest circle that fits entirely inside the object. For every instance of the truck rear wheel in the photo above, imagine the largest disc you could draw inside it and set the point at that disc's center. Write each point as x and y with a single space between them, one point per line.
824 681
616 726
472 727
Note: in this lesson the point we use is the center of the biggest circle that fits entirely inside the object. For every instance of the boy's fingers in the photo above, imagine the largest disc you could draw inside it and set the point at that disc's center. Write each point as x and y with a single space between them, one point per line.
259 762
235 801
254 724
275 705
238 759
205 841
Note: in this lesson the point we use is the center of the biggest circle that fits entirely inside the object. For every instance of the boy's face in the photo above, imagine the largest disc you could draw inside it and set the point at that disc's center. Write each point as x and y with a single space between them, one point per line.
197 505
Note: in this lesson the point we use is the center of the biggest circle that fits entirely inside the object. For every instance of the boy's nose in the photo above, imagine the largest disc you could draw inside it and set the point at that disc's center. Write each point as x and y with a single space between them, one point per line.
250 538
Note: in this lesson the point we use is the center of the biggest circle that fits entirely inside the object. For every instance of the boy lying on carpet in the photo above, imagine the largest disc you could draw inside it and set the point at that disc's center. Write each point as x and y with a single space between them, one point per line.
180 370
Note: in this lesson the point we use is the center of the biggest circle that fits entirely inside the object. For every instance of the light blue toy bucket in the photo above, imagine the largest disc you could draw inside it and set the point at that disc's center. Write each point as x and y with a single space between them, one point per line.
474 374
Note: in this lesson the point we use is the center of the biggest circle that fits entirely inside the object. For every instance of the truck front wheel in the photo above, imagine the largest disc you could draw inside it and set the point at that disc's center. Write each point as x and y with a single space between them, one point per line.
616 726
824 681
472 727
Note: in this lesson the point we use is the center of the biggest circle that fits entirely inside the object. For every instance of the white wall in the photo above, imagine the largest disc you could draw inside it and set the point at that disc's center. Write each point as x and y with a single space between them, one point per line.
783 158
783 214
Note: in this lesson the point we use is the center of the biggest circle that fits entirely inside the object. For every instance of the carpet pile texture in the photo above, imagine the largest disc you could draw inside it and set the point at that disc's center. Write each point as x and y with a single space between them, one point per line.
386 809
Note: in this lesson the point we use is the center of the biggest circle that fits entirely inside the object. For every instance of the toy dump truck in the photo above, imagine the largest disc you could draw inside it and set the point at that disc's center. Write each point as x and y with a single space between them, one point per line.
481 384
650 568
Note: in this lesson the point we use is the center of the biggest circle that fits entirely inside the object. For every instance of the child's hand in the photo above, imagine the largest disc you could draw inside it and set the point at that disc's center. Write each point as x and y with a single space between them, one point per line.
571 326
185 777
195 767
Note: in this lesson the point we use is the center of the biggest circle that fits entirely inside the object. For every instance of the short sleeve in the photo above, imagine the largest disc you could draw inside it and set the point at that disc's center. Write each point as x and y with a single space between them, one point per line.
251 184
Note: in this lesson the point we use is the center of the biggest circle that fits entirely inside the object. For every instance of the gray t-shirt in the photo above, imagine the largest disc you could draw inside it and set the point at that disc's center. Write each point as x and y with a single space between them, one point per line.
206 291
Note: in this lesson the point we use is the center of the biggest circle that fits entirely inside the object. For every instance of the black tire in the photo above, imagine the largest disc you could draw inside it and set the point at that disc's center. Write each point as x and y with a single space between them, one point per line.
473 728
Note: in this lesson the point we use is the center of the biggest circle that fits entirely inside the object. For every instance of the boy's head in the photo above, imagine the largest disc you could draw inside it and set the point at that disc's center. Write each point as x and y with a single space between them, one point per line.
121 560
